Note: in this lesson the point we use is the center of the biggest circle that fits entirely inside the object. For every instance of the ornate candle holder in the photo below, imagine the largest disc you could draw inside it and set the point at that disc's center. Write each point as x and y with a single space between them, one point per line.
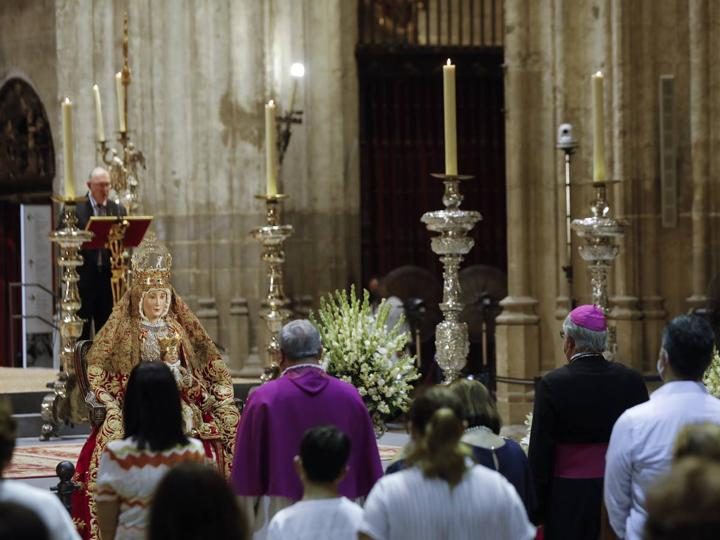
272 236
56 406
124 171
452 244
599 231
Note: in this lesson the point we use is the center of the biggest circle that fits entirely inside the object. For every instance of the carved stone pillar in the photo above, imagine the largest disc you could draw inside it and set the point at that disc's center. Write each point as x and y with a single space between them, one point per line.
627 319
700 95
207 313
655 319
518 356
527 116
239 334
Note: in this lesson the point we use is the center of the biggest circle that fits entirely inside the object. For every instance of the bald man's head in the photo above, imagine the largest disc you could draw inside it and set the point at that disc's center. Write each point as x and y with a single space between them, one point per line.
99 185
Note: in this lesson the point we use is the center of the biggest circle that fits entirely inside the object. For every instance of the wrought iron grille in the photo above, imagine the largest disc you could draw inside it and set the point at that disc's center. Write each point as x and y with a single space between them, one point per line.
472 23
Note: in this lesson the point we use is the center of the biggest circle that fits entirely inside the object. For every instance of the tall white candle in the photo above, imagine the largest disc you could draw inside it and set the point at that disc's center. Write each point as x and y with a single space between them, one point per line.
120 91
271 148
98 115
68 148
450 119
598 127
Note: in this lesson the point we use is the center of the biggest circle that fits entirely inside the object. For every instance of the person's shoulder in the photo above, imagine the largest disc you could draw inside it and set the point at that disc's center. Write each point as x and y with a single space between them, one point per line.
344 388
556 375
351 508
31 496
195 445
120 447
626 371
642 412
514 447
488 479
264 393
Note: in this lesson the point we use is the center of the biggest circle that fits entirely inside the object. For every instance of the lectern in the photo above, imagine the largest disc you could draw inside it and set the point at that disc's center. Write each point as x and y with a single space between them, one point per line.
117 233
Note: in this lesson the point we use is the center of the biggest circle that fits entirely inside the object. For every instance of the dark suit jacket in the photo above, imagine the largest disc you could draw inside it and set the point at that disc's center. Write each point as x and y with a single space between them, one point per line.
84 211
578 403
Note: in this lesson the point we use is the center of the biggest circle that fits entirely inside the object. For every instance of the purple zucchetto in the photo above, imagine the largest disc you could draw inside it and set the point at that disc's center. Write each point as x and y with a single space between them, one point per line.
589 317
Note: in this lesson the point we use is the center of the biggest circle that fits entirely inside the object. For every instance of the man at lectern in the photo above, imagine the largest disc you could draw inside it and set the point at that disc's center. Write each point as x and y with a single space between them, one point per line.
94 285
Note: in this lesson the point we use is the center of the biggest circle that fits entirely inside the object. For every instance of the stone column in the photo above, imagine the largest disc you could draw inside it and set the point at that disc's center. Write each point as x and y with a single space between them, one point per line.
207 313
242 363
625 314
700 94
517 335
239 330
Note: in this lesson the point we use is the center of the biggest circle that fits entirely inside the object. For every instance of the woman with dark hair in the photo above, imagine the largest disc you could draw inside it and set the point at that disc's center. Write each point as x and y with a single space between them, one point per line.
211 510
154 442
441 493
489 448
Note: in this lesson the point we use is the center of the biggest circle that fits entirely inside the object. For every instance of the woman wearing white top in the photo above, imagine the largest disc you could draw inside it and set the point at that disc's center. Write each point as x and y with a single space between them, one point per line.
442 494
131 468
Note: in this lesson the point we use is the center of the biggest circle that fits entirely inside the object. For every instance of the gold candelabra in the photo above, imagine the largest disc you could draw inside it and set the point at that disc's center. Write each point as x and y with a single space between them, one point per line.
451 244
272 236
56 407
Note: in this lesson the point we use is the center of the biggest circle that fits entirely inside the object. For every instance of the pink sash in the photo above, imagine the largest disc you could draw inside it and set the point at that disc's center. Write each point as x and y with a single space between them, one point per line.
580 461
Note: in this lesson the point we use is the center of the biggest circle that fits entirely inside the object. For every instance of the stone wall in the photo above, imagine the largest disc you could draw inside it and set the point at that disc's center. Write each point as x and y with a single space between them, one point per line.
552 48
27 50
201 72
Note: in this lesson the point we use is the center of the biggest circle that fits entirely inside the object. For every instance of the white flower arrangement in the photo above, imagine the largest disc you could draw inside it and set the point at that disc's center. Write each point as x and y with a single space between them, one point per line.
712 376
360 350
525 441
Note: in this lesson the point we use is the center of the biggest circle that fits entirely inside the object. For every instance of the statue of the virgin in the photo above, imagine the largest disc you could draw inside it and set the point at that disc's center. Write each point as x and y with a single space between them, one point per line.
152 323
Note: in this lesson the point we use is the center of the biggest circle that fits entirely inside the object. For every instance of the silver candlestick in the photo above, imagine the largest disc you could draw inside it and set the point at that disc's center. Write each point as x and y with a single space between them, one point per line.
272 236
56 407
599 232
451 244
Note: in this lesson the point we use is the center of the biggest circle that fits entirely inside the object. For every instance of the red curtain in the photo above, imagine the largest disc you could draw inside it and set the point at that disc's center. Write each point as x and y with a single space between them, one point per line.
9 273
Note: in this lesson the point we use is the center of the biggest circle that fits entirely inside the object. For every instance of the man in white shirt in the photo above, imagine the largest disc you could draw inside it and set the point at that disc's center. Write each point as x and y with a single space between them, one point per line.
46 505
322 512
642 439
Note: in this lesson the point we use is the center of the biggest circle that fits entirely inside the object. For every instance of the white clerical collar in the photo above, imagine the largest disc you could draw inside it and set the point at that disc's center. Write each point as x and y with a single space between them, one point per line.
578 356
301 366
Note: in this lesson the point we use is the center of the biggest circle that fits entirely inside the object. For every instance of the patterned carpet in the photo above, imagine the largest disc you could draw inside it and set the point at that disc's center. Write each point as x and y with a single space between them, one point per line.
40 461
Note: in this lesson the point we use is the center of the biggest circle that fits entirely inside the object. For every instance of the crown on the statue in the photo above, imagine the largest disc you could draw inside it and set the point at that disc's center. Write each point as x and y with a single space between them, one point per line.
151 263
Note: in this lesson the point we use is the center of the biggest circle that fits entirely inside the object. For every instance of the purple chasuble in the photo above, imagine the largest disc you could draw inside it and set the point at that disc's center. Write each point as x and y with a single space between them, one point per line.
276 416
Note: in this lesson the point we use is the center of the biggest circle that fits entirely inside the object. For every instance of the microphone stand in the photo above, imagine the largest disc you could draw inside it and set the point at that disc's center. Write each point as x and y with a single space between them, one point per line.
568 144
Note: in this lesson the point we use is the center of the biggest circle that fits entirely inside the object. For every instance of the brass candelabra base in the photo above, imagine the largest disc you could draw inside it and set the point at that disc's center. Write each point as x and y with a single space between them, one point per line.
272 236
57 406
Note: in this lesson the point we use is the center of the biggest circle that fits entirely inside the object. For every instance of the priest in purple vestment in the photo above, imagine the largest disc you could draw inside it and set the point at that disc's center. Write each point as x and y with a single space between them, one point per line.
276 416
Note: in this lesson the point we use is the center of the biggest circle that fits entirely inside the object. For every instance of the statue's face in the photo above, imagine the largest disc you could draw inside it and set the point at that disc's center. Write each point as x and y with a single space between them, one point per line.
154 304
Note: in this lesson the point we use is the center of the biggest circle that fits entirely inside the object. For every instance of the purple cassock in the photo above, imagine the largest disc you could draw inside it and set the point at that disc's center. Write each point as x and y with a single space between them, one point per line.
276 416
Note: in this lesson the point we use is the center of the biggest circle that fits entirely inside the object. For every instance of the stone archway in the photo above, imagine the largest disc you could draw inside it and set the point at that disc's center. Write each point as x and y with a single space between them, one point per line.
27 169
27 155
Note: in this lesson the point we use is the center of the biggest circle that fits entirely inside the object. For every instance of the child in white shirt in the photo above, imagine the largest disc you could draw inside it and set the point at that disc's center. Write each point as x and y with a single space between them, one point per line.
322 512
